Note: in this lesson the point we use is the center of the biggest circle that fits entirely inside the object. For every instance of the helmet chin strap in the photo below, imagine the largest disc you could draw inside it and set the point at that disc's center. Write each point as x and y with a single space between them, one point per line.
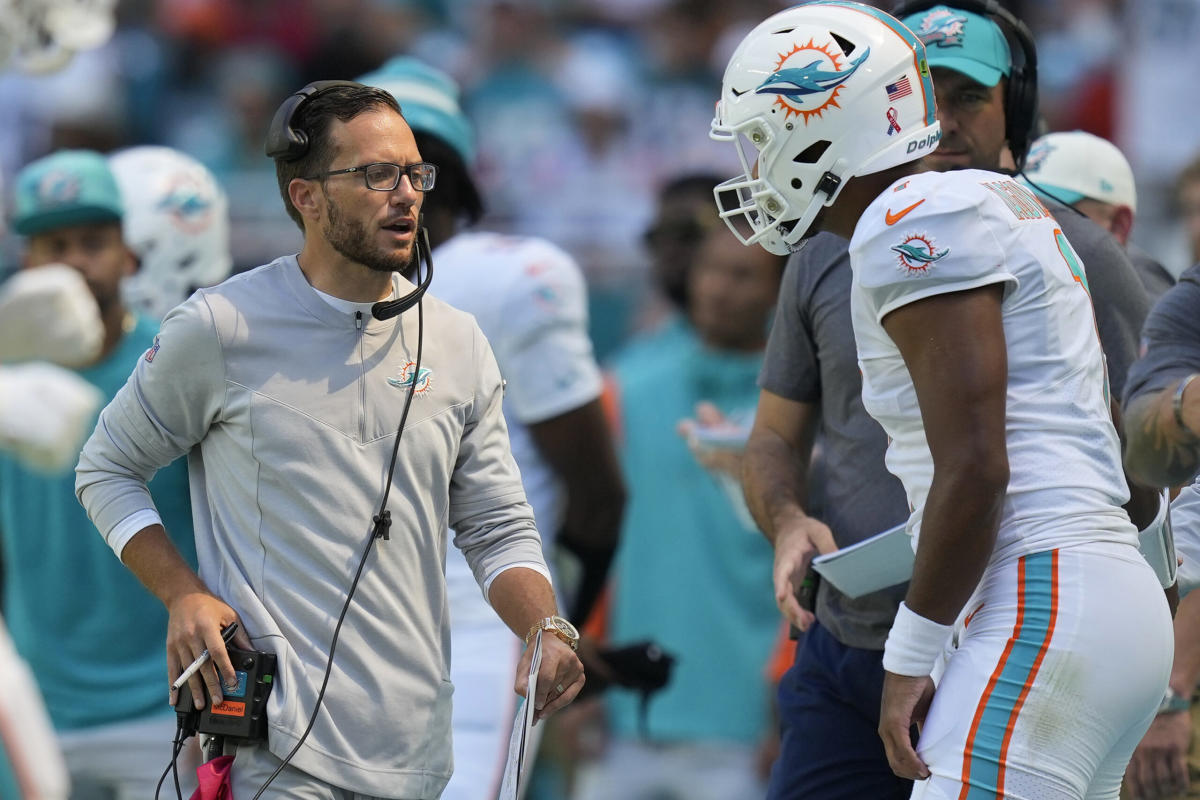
783 244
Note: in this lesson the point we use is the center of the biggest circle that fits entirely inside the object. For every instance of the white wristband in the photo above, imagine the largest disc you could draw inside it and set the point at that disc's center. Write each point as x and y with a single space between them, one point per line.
914 643
1157 544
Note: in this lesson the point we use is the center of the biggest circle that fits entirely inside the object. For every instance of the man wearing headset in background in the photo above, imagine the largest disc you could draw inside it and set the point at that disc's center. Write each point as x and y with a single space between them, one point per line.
530 301
984 76
285 386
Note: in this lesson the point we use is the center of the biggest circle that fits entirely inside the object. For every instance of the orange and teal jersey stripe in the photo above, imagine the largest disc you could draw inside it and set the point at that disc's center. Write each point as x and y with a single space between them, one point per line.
986 751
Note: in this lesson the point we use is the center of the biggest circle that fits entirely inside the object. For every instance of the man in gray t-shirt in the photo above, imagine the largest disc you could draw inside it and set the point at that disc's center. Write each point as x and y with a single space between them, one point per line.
829 701
811 359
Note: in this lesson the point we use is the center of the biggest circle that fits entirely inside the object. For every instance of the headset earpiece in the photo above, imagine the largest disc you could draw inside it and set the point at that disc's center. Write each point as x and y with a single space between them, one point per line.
284 141
1021 94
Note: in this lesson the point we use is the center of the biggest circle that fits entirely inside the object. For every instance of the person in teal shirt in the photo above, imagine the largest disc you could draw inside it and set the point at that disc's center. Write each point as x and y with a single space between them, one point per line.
690 574
93 637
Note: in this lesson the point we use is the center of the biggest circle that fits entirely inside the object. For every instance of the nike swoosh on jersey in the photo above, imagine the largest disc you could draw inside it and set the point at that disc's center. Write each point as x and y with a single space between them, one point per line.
892 219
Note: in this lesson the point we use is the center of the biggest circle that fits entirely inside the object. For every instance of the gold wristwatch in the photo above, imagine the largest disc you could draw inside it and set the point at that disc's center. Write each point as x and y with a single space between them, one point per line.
559 627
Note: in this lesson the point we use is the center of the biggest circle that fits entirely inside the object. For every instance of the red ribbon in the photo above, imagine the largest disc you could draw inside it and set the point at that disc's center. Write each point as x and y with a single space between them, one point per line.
894 127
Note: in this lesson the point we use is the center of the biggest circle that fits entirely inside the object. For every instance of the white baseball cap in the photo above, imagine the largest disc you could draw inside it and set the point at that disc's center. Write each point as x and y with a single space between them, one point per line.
1072 165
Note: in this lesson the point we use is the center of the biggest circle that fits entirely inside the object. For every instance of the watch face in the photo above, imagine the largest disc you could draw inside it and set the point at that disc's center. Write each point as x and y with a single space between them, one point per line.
566 627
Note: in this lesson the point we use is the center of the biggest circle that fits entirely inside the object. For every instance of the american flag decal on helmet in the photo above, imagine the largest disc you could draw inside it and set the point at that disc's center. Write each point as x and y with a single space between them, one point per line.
900 88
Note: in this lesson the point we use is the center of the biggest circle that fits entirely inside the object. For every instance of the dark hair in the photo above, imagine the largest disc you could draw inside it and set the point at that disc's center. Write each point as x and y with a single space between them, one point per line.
455 192
314 118
690 183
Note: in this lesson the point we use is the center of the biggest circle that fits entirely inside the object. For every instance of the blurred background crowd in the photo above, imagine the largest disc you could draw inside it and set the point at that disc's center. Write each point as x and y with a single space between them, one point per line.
584 108
591 120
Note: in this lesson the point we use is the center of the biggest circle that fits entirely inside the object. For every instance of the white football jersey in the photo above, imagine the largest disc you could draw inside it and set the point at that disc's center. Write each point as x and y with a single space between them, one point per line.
530 301
935 233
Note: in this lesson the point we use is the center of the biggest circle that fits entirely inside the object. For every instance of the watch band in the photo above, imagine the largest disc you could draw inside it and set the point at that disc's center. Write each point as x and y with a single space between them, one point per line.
1177 403
548 624
1173 702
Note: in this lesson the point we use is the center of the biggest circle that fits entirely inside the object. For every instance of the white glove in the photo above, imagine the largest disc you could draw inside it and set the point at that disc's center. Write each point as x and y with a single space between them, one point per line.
46 413
48 313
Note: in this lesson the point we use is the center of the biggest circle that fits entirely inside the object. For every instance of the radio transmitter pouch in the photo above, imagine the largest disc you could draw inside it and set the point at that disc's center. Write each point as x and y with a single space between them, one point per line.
241 716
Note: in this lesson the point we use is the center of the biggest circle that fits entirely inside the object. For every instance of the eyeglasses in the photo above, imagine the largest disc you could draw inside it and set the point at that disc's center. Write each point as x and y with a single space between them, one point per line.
385 177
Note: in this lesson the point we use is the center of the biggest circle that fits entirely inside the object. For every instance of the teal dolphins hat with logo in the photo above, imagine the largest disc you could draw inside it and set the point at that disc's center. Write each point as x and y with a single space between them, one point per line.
964 42
70 187
428 99
1070 166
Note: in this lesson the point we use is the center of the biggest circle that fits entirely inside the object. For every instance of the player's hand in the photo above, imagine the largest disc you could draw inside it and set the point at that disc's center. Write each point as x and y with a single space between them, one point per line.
48 313
1159 767
194 625
714 440
905 703
560 676
796 544
46 413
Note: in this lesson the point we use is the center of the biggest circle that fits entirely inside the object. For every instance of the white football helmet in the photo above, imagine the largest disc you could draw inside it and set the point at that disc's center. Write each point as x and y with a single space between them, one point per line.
176 221
812 97
42 36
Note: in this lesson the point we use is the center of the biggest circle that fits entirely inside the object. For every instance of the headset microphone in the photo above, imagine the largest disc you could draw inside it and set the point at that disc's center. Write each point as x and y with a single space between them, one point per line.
390 308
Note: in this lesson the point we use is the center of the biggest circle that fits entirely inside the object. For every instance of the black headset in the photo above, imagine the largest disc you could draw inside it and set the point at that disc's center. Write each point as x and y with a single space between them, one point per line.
285 141
1021 94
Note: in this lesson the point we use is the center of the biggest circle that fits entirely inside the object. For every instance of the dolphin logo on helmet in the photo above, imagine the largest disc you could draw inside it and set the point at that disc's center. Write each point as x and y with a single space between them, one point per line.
176 220
796 82
186 205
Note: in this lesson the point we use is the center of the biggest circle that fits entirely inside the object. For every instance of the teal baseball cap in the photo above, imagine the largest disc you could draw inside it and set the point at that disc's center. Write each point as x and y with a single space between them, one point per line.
70 187
964 42
428 99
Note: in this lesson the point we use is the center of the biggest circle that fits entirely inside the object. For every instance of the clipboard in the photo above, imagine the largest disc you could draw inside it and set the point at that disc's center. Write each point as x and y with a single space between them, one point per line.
883 560
520 749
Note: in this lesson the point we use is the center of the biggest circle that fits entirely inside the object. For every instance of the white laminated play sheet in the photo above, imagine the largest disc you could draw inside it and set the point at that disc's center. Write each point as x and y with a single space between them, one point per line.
876 563
520 749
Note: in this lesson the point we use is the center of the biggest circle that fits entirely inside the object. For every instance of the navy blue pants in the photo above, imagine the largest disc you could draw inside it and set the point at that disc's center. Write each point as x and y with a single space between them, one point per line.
829 711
